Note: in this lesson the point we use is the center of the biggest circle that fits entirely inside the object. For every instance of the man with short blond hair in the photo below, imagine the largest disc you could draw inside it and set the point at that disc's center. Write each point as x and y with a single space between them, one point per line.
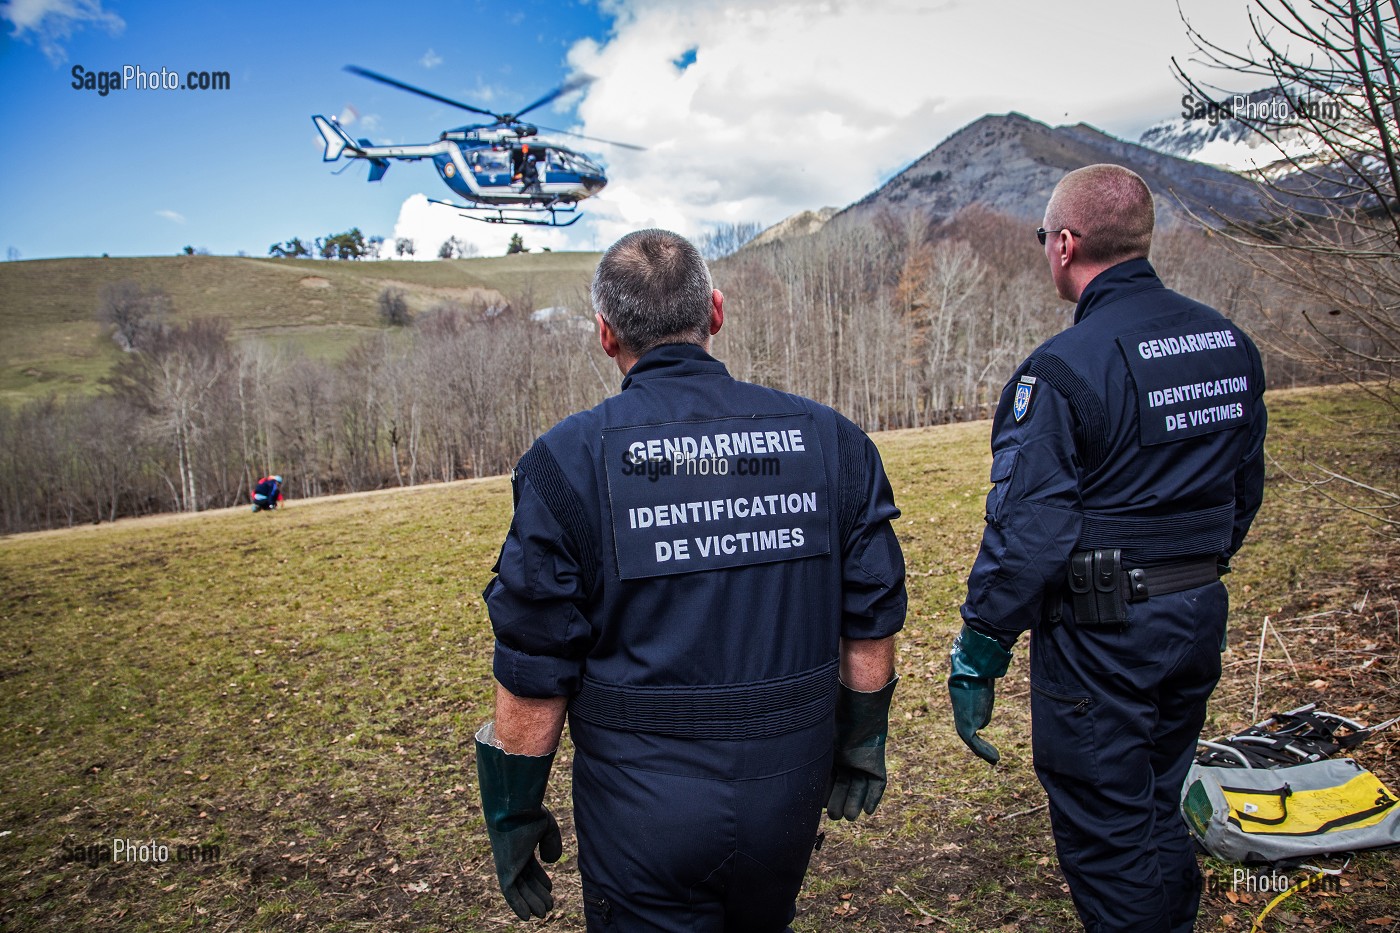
1127 466
1113 202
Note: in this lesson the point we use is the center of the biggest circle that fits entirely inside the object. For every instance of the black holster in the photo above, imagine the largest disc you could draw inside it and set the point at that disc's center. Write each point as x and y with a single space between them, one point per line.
1094 590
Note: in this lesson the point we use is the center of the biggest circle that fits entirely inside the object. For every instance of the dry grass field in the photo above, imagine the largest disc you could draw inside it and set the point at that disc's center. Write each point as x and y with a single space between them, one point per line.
299 689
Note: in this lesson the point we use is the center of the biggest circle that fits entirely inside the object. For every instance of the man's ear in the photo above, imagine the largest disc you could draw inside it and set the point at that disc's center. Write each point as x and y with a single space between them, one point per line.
607 337
716 311
1065 248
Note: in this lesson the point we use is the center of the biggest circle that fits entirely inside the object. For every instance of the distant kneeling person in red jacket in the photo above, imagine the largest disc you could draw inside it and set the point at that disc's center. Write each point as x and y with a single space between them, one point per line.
267 494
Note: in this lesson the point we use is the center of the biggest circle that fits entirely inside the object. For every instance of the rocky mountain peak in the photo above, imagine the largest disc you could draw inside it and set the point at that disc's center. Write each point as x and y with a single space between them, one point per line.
1009 163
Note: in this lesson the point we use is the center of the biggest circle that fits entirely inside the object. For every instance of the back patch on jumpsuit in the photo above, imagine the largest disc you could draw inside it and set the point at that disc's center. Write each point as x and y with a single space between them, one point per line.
1192 379
705 495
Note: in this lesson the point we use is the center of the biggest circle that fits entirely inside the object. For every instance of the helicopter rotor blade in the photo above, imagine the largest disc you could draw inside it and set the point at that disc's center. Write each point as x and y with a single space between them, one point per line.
573 84
596 139
385 79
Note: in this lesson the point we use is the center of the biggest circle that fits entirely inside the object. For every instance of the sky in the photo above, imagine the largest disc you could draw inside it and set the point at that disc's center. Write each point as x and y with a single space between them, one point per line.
750 110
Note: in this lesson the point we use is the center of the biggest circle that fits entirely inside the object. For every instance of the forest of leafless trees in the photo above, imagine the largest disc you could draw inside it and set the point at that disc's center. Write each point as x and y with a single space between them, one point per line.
902 324
910 324
1331 232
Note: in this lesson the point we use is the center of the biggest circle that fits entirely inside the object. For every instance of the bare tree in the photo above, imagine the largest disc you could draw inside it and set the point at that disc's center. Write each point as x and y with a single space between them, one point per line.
455 248
726 239
1333 235
133 314
393 307
183 380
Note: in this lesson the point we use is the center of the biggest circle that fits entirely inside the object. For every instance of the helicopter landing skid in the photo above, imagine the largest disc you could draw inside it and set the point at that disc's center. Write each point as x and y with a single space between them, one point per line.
501 217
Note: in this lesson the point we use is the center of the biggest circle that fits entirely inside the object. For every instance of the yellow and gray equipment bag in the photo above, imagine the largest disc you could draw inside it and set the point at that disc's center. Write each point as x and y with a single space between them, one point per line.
1244 802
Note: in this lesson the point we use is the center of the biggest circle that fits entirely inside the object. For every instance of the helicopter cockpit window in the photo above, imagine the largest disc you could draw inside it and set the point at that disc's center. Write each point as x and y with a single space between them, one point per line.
585 166
490 163
571 162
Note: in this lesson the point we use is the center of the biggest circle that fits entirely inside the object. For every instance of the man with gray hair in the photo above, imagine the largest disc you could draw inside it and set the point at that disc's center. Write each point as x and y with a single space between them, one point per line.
1127 466
702 576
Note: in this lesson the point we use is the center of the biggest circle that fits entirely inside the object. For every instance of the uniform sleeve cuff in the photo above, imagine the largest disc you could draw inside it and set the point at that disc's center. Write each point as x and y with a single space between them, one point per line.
535 677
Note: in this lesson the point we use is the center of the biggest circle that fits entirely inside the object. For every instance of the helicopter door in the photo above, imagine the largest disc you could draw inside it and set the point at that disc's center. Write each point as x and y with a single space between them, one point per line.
528 165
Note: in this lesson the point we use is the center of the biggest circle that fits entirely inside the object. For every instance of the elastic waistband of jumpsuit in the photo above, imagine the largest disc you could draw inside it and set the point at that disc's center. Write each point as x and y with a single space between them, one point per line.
757 710
1154 538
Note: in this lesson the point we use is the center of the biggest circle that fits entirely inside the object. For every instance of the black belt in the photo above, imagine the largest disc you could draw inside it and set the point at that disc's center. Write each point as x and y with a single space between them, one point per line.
1102 570
729 711
1101 587
1139 583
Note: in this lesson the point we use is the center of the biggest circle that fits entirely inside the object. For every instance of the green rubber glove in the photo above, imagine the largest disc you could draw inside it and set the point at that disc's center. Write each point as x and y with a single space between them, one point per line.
977 661
858 770
512 801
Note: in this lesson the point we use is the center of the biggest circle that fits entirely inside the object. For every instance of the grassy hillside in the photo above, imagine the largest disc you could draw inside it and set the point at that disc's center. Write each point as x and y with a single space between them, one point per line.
51 341
300 689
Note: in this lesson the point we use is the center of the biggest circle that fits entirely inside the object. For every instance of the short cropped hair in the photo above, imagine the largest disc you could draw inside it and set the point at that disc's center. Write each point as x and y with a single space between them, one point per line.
653 287
1110 207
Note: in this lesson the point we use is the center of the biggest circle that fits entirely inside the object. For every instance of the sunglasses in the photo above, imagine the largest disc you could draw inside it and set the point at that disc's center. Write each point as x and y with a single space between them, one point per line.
1040 233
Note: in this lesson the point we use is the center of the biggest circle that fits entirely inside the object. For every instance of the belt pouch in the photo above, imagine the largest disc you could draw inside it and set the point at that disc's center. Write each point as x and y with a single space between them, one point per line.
1108 596
1081 587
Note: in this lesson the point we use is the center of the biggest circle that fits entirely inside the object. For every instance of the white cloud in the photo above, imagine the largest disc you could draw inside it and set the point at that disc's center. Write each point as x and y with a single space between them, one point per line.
481 95
430 60
48 23
172 216
429 225
793 105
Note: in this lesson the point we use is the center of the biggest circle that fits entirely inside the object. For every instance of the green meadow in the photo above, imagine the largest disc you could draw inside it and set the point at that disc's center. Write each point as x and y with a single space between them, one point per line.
54 343
287 700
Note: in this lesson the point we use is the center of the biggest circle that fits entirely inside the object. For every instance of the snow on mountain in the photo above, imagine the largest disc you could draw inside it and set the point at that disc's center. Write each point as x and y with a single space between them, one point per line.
1211 133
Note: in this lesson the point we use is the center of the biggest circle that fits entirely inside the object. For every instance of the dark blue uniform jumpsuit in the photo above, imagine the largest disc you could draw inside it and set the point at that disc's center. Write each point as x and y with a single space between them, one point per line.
683 562
1139 428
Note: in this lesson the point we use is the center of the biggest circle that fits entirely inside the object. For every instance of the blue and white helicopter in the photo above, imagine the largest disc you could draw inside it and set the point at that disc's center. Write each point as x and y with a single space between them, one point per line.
497 167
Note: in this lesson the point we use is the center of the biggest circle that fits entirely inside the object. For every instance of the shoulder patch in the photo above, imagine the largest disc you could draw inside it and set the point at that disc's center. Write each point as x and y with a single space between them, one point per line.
1021 405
